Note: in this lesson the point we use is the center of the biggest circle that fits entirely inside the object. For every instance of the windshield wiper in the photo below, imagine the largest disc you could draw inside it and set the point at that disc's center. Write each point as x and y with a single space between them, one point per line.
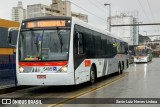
60 38
35 39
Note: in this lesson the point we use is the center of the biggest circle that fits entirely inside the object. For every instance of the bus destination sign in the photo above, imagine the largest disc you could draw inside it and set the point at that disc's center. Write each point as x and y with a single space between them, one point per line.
47 23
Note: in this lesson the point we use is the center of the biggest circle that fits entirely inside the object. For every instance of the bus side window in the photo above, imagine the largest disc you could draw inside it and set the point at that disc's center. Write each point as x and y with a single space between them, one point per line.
81 44
76 42
114 50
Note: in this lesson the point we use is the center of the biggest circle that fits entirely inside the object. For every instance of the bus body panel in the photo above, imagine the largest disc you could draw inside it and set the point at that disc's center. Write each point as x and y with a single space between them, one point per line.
77 75
51 79
104 66
82 73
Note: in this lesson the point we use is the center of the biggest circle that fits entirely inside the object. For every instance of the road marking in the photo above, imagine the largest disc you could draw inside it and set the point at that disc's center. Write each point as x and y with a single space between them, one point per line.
88 92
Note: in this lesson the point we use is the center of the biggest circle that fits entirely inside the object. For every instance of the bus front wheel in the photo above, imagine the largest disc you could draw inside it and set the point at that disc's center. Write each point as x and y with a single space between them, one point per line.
92 76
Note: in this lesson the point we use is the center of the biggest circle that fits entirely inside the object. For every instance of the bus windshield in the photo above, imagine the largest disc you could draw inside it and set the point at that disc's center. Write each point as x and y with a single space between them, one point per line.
44 45
141 52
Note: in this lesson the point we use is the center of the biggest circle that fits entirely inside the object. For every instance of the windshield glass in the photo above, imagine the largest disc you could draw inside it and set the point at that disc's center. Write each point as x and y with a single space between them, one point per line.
44 45
141 52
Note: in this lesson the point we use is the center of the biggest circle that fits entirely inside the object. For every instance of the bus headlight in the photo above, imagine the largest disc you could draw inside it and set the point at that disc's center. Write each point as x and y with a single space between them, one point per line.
63 69
21 70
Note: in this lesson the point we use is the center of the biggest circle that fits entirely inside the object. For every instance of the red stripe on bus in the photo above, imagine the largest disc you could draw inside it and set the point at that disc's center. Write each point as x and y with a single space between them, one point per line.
62 63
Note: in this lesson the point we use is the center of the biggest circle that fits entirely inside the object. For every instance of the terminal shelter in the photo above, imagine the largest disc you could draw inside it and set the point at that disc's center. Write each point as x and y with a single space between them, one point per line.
7 52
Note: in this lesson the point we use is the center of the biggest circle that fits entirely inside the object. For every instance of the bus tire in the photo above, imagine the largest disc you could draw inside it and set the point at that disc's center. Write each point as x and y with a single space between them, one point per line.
119 69
92 76
122 66
127 63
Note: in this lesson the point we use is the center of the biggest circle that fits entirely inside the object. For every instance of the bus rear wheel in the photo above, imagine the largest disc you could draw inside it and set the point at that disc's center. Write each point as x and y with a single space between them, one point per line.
119 69
92 76
127 63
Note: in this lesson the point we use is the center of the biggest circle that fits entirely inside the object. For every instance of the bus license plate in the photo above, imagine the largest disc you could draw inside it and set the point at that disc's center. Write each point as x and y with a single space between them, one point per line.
41 76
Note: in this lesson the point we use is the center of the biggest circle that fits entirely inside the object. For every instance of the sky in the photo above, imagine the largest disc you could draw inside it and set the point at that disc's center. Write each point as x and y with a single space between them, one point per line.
148 11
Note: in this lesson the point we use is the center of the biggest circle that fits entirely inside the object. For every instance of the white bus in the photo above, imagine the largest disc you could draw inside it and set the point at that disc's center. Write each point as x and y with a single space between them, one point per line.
66 51
143 54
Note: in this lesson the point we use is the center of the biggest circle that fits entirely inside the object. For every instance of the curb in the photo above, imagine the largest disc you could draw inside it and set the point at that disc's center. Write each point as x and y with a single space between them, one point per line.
13 89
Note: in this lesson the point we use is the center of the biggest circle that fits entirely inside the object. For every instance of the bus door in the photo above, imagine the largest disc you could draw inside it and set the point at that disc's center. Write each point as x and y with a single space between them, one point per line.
79 56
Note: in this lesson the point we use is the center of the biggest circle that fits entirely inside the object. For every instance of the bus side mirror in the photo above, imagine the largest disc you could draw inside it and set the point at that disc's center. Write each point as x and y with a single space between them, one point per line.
10 34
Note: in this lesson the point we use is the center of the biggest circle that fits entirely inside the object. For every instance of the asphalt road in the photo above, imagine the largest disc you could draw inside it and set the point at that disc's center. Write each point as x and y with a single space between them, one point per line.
138 81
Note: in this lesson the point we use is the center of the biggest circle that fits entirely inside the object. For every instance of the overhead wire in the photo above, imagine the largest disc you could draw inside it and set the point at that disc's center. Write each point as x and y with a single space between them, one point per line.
99 7
105 11
151 12
88 12
143 10
95 5
150 9
98 2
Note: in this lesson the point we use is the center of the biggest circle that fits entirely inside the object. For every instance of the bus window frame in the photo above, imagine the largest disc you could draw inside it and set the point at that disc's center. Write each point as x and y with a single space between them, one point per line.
77 42
48 28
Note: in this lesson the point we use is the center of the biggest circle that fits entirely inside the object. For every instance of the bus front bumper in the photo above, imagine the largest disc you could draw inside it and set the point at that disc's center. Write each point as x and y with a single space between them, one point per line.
45 79
140 59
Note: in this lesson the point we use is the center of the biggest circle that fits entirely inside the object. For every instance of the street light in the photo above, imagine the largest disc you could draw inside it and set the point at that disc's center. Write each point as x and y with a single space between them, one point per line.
109 15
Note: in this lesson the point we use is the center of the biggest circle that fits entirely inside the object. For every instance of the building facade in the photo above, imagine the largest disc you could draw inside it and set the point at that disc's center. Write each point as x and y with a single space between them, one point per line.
80 16
128 33
39 10
57 8
143 40
63 7
18 13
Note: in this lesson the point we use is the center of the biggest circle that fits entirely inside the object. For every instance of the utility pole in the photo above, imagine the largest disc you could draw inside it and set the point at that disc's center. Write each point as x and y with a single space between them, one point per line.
109 15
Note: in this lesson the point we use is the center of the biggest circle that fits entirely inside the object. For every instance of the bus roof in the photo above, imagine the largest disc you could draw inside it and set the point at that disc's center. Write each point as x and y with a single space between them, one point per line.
92 27
47 18
75 21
